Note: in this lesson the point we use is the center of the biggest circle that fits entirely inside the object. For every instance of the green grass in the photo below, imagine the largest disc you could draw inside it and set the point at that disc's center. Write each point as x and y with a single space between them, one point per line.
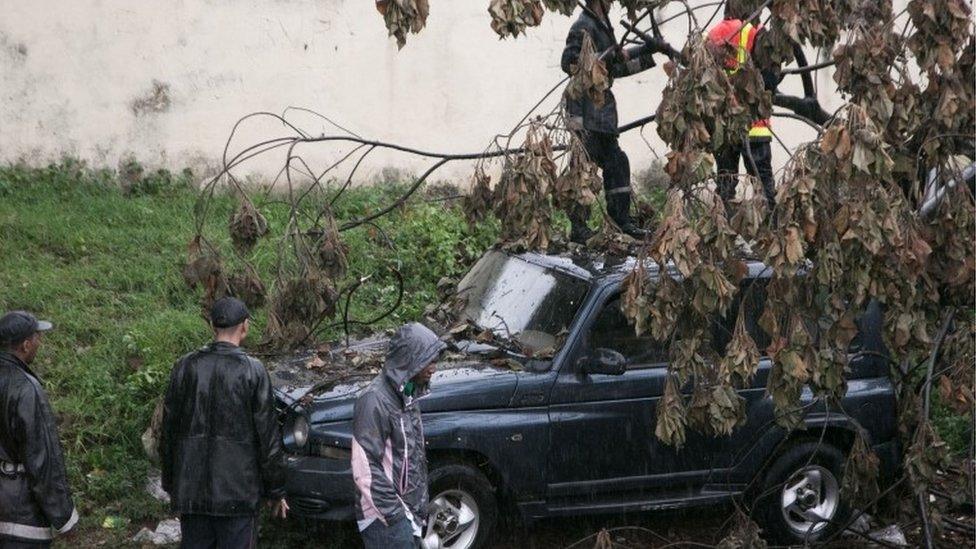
954 429
104 265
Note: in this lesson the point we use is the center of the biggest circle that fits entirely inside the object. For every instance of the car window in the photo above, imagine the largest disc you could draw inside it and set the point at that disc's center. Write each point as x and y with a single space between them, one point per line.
752 293
520 300
611 330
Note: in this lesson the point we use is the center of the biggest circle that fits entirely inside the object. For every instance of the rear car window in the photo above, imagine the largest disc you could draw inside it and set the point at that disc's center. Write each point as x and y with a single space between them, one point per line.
752 296
611 330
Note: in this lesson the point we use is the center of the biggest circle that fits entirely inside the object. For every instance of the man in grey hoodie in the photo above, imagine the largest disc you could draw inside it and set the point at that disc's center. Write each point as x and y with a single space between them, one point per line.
389 462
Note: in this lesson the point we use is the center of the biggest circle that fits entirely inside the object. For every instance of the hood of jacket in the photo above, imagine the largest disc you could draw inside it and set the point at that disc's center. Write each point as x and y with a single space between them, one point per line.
411 349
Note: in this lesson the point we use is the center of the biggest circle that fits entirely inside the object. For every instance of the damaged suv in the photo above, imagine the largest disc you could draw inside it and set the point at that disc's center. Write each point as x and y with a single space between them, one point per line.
566 427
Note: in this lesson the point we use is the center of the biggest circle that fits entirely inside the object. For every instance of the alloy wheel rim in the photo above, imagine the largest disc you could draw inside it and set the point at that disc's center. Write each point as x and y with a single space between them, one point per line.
810 500
455 519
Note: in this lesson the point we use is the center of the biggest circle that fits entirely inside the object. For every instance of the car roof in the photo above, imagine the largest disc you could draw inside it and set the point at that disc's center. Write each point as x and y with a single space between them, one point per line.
599 267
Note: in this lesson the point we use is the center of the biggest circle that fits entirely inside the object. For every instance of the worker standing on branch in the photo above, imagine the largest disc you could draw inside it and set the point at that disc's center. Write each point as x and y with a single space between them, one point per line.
741 36
35 501
596 125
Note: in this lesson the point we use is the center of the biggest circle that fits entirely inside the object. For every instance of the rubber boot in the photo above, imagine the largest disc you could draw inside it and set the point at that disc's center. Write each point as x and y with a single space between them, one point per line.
618 206
579 231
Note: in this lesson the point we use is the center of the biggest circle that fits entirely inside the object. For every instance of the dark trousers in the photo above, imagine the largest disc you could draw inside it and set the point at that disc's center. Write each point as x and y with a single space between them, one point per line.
397 535
604 151
208 532
727 161
12 544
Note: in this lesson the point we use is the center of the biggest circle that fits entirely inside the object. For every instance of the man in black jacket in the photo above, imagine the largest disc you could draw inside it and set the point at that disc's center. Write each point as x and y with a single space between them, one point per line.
597 125
220 445
35 500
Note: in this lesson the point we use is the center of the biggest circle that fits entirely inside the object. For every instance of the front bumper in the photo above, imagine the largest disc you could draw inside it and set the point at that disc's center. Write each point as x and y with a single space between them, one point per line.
320 488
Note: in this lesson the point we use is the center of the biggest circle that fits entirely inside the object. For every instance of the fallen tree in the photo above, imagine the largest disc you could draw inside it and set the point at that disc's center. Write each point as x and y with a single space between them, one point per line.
879 207
855 219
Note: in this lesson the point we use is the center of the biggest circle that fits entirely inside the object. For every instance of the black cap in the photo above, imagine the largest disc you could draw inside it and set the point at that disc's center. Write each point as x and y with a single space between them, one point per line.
16 326
228 312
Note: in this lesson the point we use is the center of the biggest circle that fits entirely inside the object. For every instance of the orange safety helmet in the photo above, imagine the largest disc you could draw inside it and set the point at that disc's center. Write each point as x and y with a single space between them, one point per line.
741 37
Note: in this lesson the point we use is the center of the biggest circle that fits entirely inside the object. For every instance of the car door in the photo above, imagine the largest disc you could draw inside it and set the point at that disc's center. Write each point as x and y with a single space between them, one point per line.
602 426
741 452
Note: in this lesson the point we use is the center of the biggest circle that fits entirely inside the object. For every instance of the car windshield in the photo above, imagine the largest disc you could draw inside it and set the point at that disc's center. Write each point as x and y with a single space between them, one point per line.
521 301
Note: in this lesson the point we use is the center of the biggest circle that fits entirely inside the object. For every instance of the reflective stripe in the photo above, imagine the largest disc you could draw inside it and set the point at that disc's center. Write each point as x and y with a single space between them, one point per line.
743 49
10 469
619 190
39 533
71 522
25 531
760 131
760 128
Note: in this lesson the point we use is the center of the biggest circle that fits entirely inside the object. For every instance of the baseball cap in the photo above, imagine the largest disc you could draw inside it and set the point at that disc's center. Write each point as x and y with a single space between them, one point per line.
16 326
227 312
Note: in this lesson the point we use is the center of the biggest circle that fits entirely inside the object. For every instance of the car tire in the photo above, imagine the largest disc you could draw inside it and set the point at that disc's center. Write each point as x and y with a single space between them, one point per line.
464 489
803 483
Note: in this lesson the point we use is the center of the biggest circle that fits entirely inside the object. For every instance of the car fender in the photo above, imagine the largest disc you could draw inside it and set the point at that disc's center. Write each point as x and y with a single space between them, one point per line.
511 440
833 427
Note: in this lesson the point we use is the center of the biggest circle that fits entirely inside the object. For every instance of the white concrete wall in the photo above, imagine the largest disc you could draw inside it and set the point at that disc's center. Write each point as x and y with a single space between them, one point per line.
72 74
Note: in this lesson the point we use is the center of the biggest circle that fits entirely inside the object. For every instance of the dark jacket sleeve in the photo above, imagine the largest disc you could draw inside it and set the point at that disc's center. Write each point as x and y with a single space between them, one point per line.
270 455
371 429
43 460
167 430
574 42
639 59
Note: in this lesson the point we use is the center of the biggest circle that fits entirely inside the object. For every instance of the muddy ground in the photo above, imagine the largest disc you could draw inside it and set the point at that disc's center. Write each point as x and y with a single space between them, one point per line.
697 528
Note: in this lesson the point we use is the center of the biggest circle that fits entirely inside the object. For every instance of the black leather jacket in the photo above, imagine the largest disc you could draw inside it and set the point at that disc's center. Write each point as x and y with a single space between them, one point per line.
35 500
582 113
220 445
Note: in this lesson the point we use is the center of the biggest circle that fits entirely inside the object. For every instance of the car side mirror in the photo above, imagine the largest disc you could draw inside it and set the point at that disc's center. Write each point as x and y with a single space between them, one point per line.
604 361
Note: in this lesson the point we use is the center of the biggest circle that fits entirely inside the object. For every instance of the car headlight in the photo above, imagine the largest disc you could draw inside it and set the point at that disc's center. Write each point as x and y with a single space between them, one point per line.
299 431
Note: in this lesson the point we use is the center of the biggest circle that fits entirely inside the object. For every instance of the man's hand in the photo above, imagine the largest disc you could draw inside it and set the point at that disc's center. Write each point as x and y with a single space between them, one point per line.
381 6
653 44
279 508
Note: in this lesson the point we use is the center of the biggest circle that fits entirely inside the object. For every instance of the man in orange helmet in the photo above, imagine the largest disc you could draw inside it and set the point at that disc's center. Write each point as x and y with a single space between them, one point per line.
739 33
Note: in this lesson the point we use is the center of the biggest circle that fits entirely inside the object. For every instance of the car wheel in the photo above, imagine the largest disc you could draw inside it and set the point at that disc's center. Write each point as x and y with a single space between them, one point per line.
463 509
800 500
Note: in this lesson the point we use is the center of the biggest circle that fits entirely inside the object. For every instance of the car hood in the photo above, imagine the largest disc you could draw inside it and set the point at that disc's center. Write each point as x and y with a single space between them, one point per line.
457 385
